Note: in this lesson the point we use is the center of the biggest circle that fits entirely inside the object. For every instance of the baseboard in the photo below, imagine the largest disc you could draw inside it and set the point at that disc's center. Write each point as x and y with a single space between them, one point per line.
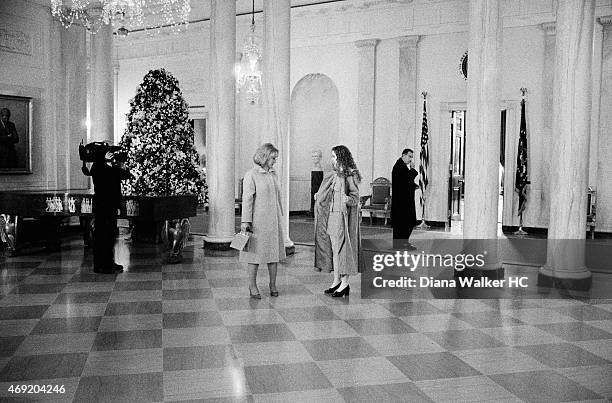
510 229
436 224
299 213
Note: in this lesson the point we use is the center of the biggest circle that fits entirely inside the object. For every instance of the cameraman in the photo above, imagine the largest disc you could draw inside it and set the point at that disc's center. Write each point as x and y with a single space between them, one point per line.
107 172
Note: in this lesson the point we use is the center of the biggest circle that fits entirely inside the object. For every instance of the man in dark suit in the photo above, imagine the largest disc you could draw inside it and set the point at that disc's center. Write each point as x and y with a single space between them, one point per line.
8 139
403 213
107 177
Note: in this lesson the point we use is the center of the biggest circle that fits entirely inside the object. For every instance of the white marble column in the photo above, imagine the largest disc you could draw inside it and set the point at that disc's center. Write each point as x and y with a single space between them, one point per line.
482 133
548 74
75 106
365 108
483 121
220 136
604 144
116 133
565 263
277 93
408 135
101 95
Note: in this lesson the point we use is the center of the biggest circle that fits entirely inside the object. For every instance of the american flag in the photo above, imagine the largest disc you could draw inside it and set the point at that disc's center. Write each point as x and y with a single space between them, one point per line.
522 178
424 165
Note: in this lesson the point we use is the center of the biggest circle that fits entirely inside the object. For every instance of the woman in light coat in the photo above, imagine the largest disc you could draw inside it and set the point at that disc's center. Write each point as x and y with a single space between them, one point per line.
262 215
337 243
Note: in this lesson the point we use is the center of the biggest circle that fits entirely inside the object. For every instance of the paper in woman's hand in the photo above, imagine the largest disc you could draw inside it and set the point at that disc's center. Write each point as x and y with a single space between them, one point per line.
240 240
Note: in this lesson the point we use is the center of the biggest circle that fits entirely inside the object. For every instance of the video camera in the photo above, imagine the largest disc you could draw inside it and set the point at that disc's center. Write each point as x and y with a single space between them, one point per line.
97 151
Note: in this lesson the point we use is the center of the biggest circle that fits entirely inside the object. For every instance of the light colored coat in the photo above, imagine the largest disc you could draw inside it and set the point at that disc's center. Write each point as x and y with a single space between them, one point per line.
261 206
350 254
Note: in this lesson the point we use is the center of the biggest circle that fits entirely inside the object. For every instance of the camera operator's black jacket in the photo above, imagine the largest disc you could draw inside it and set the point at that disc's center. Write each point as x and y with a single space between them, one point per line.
107 186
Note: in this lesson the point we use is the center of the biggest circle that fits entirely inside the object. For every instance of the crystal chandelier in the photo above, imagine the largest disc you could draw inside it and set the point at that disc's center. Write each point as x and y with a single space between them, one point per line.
92 14
162 14
125 15
248 71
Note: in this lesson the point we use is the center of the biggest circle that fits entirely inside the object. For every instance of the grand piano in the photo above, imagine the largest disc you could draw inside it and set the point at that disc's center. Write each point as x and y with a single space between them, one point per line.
31 217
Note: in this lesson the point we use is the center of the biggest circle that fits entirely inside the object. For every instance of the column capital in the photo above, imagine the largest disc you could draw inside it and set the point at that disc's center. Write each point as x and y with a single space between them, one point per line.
409 41
549 28
606 21
366 43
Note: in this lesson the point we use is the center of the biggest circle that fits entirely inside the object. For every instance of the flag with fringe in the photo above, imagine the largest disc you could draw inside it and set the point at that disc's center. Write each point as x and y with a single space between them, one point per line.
424 160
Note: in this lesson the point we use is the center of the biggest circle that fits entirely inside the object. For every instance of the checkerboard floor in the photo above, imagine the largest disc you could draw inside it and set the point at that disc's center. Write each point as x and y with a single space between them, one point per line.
189 331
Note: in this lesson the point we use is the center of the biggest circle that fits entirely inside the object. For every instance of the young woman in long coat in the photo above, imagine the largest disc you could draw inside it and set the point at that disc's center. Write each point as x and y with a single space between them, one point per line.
262 215
337 241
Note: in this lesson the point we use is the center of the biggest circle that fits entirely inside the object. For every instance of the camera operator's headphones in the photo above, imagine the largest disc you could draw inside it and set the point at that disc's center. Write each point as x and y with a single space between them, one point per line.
96 150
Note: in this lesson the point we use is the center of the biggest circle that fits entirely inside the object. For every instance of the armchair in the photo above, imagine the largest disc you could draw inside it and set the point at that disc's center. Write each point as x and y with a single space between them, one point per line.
379 201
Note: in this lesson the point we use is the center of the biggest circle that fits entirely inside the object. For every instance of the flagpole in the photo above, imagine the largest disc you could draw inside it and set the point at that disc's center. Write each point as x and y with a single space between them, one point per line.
523 191
423 181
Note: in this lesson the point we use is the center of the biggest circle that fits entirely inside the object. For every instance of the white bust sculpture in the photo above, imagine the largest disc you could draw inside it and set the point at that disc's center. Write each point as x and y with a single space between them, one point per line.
316 155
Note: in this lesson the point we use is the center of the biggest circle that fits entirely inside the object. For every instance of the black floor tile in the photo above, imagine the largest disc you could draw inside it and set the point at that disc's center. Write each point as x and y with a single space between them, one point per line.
468 339
411 308
191 319
22 312
121 388
128 340
133 308
192 293
544 386
260 333
46 366
184 275
138 285
374 326
285 378
8 345
67 325
420 367
395 392
563 355
184 358
575 331
83 298
37 288
339 348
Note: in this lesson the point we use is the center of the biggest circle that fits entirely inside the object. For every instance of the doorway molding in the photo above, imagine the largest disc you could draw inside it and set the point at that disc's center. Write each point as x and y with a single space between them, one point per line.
513 117
198 112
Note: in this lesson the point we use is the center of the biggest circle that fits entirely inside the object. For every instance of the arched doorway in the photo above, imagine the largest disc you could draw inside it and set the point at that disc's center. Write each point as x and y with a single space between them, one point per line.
314 126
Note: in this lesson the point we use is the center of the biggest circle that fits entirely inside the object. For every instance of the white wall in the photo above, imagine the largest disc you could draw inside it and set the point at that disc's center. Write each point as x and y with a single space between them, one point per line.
323 40
41 60
314 126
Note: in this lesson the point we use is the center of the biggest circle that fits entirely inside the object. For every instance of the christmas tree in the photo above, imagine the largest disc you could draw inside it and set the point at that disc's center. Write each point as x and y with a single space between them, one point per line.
159 141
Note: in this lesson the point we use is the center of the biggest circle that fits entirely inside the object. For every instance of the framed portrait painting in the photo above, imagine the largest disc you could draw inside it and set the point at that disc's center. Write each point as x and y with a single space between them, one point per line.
15 135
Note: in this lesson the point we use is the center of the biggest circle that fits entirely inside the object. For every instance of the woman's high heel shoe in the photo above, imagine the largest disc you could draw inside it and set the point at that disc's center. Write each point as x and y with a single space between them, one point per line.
344 292
254 296
332 289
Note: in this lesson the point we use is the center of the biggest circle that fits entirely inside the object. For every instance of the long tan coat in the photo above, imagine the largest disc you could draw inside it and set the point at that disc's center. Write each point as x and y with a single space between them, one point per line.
350 255
261 206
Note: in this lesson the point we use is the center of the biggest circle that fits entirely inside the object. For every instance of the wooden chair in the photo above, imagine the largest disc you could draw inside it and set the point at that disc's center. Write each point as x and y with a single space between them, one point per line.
380 199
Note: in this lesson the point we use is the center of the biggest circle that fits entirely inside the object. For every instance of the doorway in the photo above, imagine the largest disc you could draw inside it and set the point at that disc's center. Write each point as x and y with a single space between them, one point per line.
456 182
199 139
502 167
